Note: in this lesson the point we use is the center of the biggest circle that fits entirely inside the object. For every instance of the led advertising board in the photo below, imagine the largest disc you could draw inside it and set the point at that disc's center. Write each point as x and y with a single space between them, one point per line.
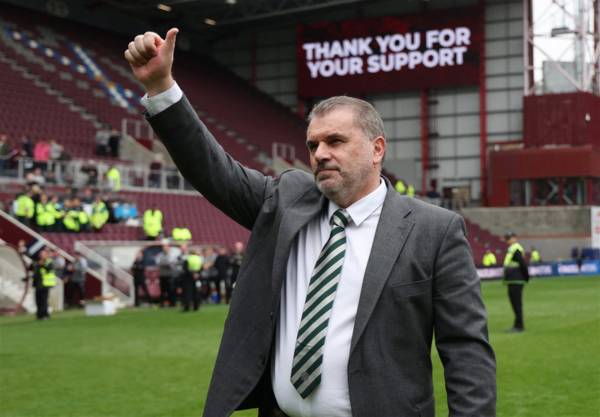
432 49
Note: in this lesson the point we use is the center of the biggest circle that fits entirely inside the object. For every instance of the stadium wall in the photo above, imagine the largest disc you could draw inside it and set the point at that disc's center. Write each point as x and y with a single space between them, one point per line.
267 59
553 230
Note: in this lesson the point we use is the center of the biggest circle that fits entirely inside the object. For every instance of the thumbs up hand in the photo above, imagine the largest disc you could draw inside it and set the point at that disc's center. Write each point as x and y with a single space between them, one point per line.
151 59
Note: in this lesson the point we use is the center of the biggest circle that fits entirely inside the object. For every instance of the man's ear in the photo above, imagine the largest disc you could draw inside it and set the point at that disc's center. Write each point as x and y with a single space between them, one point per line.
379 148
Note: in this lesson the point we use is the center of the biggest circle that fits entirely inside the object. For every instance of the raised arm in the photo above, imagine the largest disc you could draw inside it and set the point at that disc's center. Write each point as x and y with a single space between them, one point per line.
238 191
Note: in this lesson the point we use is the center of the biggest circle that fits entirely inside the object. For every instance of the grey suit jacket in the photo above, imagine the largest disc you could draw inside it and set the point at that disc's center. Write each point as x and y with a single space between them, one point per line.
420 280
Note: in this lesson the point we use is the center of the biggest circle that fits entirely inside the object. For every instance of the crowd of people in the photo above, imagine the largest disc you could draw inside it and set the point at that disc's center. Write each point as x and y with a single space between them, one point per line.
188 277
73 212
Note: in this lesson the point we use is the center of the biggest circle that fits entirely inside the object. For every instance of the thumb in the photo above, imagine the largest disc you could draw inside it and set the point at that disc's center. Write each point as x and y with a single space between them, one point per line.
170 40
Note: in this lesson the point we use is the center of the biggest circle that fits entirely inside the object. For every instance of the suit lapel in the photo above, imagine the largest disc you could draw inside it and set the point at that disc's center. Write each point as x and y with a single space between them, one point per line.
391 234
294 218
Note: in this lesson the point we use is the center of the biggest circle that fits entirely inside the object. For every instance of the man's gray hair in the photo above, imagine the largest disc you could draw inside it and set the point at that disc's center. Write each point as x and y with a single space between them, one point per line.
365 115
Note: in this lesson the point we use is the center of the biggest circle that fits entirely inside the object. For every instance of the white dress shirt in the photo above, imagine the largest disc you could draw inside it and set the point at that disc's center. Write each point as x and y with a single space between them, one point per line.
331 397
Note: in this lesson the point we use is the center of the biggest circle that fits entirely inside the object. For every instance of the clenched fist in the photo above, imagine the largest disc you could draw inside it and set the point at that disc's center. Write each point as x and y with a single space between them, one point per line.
151 59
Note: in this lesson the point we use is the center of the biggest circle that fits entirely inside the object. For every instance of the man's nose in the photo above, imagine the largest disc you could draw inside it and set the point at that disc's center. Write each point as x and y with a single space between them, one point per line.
322 152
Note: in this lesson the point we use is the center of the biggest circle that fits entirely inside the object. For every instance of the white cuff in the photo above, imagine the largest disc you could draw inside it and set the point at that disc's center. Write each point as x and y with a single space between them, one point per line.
162 101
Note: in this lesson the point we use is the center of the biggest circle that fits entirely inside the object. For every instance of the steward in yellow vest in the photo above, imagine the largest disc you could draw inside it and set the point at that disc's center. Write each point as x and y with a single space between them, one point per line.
114 178
516 275
191 278
181 234
535 257
59 213
44 278
45 217
25 208
400 187
71 217
489 259
152 223
99 214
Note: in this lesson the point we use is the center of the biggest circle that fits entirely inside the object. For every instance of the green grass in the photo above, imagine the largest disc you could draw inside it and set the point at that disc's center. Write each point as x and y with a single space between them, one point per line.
158 363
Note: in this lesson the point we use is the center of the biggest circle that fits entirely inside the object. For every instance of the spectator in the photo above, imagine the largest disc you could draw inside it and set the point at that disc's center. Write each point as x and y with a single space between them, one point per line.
102 140
114 141
138 270
91 170
26 147
209 275
155 171
36 177
56 150
24 252
236 261
76 281
5 151
41 154
165 261
223 270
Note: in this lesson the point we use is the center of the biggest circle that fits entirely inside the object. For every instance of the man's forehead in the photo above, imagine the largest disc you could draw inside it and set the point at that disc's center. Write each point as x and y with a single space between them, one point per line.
338 119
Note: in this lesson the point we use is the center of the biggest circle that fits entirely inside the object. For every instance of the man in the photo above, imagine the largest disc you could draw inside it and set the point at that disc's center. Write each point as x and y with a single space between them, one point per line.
223 267
44 278
489 259
535 257
25 207
152 223
398 270
516 275
166 260
99 215
78 269
113 178
191 280
138 270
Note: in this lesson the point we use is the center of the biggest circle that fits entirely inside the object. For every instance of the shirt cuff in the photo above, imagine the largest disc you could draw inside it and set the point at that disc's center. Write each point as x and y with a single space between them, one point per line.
162 101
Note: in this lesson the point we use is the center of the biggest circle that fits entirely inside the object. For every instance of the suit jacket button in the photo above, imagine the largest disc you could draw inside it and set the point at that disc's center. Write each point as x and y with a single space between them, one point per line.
261 360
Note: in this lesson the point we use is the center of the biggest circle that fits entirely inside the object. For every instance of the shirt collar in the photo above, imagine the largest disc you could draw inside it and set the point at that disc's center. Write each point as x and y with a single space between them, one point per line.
360 210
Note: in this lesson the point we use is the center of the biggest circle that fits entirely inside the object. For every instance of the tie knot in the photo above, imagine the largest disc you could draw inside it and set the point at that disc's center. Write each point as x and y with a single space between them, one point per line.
340 218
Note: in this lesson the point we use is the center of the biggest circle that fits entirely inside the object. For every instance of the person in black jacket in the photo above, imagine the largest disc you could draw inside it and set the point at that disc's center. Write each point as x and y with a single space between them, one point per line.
516 275
139 278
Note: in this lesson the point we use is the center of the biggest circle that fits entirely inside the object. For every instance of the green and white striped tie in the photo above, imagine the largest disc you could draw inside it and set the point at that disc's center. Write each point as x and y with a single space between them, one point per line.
308 354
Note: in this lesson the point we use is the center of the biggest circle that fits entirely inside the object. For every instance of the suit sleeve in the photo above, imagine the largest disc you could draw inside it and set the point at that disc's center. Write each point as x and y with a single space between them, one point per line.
460 326
236 190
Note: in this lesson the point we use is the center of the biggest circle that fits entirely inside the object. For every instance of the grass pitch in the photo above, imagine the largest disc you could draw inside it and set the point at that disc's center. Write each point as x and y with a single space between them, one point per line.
157 363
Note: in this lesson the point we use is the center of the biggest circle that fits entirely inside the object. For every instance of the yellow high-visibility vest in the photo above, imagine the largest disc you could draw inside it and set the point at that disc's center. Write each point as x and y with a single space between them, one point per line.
25 206
48 275
508 259
114 176
194 263
489 259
